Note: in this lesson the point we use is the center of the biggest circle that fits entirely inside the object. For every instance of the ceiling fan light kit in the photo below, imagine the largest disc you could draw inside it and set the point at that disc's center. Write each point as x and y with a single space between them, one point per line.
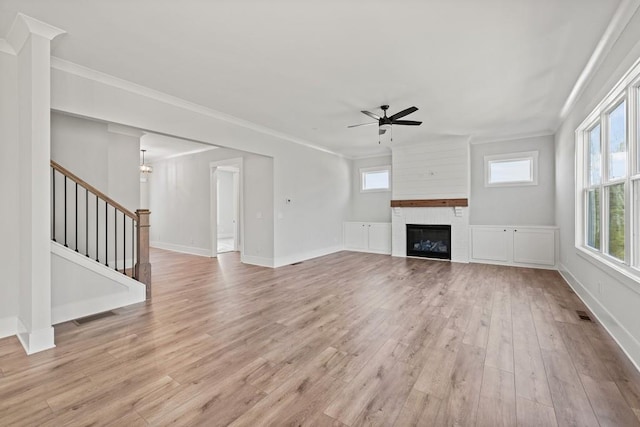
385 123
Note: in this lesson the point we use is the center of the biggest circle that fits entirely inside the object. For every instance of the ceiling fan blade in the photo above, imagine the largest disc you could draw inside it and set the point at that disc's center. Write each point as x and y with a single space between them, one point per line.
403 113
370 114
381 131
406 122
363 124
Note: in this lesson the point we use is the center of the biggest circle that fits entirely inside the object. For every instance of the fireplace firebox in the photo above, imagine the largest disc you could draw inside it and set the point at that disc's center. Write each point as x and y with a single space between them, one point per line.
429 241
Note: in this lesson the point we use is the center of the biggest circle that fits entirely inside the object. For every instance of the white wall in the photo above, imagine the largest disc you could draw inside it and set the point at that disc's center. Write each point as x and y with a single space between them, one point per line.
372 206
434 169
179 195
225 204
317 182
521 205
617 304
109 161
9 213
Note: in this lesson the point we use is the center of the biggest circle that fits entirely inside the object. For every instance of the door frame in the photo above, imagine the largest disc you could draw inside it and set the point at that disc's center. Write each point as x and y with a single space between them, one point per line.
234 164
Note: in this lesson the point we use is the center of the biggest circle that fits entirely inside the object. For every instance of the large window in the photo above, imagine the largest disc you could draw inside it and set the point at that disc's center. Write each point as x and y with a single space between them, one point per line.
608 178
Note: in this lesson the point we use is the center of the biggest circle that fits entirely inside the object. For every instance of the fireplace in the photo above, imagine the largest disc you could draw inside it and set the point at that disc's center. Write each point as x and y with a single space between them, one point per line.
429 241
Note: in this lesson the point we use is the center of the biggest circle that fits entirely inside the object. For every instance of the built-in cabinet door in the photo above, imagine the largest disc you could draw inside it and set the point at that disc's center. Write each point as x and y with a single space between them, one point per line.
534 246
355 235
491 244
379 237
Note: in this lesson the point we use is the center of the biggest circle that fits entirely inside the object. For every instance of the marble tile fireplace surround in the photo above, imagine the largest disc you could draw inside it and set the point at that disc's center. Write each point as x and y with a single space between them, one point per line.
456 217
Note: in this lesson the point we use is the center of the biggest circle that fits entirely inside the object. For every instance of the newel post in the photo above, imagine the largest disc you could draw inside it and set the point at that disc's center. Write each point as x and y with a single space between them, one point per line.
143 267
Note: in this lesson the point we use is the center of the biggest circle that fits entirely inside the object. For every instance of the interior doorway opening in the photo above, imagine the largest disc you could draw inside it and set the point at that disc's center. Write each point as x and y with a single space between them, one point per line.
226 206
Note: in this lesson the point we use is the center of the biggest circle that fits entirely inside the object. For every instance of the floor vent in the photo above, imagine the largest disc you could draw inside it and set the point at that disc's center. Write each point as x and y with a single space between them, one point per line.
583 315
84 320
297 263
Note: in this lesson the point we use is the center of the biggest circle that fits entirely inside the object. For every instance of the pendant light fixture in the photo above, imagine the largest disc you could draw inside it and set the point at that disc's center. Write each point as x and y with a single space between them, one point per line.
144 168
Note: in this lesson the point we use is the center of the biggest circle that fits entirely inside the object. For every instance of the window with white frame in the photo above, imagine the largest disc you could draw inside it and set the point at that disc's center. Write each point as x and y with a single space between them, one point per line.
375 179
608 178
511 169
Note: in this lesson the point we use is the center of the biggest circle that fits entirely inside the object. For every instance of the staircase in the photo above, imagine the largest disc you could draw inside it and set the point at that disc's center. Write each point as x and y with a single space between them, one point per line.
100 249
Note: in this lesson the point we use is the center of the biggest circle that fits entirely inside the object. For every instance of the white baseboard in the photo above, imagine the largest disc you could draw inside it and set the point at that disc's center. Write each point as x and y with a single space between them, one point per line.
8 326
291 259
181 248
513 264
629 345
257 260
88 307
35 341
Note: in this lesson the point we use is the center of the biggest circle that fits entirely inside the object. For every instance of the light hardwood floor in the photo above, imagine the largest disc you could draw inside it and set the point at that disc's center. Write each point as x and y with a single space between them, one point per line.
346 339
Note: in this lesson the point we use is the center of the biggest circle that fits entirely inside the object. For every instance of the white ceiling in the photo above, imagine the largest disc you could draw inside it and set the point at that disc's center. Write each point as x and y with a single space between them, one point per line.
483 68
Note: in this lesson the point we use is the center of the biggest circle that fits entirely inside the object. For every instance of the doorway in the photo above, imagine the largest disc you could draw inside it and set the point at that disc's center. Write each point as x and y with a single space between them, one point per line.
226 207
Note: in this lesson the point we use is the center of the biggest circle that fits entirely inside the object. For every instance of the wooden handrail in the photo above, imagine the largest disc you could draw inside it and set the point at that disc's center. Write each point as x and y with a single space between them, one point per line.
94 190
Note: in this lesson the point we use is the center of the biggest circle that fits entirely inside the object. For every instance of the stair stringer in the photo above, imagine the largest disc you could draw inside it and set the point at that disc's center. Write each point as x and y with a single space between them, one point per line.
81 286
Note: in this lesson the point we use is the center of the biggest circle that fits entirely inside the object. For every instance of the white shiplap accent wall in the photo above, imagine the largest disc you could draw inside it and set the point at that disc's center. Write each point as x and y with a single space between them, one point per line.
435 169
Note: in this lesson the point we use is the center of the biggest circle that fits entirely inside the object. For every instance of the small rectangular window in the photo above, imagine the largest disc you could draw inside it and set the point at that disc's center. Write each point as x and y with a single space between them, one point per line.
511 169
375 179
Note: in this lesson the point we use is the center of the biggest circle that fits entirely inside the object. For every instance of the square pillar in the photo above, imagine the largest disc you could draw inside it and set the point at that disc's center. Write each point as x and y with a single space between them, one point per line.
31 41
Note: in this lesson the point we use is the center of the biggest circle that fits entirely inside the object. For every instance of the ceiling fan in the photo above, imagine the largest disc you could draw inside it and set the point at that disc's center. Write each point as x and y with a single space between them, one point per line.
384 122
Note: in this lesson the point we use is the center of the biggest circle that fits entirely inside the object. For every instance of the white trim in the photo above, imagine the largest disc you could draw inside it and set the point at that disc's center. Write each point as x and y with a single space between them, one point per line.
101 304
5 47
257 260
35 341
90 264
181 248
610 266
8 326
371 156
627 343
618 23
290 259
23 26
88 73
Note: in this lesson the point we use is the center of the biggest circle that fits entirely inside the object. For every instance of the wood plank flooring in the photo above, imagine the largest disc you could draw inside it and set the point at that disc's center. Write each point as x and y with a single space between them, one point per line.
348 339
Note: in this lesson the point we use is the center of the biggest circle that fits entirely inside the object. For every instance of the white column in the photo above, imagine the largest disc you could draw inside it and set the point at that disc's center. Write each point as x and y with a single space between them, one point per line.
31 40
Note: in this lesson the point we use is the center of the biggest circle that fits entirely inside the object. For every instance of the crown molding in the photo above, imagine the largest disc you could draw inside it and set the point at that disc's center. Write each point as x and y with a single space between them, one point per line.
371 156
98 76
510 137
618 23
24 26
